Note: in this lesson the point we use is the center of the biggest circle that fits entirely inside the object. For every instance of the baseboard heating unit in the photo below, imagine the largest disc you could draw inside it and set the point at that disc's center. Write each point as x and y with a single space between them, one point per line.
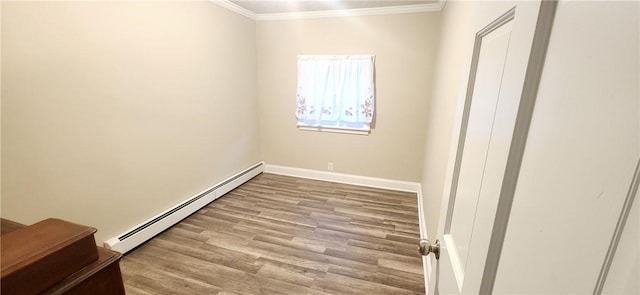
147 230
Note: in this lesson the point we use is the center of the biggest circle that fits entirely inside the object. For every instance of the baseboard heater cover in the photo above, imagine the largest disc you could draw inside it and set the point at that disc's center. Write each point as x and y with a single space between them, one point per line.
147 230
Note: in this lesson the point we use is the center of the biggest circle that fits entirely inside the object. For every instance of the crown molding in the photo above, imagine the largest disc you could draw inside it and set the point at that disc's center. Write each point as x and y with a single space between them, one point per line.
353 12
235 8
434 7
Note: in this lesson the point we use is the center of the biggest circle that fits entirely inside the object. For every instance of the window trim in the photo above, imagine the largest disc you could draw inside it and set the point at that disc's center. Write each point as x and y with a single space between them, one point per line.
335 129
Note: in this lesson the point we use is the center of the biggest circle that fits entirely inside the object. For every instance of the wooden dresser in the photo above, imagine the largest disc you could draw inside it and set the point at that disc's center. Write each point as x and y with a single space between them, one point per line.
56 257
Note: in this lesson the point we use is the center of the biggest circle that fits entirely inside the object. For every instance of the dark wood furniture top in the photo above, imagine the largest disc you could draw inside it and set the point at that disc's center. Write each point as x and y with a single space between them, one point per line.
56 257
7 226
100 277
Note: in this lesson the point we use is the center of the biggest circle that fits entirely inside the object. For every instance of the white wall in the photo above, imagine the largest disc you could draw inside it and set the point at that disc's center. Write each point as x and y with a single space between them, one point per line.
114 111
404 46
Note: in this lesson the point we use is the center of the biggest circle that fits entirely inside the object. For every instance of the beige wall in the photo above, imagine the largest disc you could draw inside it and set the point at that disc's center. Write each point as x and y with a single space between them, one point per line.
404 46
454 53
0 108
113 112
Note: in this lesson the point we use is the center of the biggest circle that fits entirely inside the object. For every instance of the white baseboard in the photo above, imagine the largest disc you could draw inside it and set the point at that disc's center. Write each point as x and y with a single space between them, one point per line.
382 183
141 233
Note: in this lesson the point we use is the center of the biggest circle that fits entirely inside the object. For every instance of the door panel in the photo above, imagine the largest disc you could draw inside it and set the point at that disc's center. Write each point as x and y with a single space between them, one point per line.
478 138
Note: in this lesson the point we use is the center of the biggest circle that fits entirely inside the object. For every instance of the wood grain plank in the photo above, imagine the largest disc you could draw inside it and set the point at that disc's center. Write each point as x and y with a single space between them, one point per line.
380 278
349 285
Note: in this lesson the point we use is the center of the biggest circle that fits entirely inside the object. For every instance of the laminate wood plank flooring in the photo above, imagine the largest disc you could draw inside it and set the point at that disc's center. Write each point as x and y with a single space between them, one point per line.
285 235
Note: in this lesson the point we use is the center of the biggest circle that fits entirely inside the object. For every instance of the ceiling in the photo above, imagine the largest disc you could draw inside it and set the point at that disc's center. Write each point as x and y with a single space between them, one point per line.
296 6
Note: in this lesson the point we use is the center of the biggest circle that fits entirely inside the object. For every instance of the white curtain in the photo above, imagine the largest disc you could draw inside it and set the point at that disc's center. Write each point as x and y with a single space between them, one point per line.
335 90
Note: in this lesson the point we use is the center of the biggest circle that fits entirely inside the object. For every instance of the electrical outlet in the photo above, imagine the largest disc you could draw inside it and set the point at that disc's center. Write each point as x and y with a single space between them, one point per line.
330 166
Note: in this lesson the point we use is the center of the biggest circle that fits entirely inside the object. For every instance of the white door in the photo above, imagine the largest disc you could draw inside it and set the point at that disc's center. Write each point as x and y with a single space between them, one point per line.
624 271
486 121
545 219
577 175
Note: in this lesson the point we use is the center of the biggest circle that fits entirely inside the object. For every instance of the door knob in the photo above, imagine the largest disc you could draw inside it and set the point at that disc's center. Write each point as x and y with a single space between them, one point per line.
427 247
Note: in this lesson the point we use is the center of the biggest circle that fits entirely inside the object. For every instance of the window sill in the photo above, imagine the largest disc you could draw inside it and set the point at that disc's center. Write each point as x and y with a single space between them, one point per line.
344 130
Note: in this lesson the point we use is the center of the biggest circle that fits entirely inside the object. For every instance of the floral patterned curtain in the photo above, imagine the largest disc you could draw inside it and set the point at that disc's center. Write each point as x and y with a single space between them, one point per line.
335 90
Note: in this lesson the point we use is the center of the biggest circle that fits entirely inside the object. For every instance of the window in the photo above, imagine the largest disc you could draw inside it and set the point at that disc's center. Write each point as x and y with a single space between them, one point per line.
335 93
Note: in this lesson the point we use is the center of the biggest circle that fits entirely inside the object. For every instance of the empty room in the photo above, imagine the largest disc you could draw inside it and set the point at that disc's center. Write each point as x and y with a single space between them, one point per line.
320 147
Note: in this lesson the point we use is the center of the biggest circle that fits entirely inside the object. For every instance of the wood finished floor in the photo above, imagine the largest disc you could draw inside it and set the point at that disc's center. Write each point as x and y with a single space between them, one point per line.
285 235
